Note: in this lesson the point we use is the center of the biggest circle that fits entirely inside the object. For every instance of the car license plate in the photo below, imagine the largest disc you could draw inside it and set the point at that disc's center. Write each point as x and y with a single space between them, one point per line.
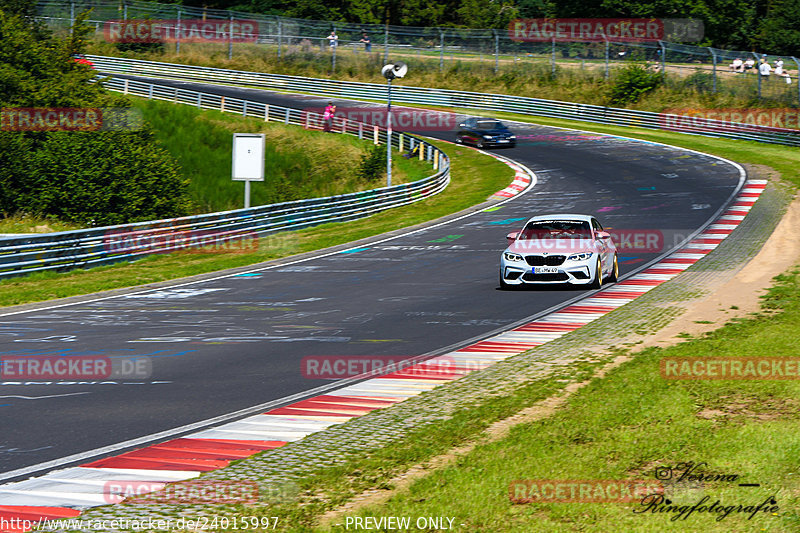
545 270
503 141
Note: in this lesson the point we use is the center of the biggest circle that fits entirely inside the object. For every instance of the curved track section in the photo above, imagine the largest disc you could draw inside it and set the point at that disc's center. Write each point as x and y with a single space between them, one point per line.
227 344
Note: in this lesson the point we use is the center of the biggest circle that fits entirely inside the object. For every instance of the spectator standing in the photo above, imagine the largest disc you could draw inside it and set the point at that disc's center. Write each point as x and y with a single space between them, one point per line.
367 42
333 39
764 69
327 117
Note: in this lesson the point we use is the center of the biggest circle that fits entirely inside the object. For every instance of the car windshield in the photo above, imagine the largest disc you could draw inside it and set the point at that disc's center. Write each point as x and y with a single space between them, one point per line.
555 229
489 125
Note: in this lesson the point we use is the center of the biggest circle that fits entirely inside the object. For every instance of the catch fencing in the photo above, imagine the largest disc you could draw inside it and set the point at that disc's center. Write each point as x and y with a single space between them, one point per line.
691 67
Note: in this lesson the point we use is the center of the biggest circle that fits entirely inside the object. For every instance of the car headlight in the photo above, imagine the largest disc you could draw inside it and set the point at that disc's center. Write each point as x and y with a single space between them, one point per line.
580 256
512 136
487 136
512 257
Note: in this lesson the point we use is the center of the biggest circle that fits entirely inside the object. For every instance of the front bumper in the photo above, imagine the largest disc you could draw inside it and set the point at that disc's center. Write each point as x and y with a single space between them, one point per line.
574 273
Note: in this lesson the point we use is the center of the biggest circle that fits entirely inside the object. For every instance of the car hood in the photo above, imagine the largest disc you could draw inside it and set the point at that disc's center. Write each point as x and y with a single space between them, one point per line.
496 131
553 246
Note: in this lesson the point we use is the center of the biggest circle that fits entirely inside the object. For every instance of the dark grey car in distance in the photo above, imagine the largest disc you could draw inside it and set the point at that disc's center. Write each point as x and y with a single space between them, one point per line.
485 133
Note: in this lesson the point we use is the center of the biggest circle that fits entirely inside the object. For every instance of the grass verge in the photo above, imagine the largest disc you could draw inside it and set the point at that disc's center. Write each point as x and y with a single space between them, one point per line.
474 177
633 424
299 163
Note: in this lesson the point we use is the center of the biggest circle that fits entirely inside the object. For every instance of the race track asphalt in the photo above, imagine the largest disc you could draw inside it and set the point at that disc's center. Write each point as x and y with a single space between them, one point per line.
231 343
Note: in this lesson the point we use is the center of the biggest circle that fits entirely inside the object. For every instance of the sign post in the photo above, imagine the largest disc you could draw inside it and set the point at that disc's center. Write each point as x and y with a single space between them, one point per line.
248 160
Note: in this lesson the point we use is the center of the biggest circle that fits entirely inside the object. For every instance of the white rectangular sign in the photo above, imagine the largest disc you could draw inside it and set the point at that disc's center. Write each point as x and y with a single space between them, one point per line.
248 156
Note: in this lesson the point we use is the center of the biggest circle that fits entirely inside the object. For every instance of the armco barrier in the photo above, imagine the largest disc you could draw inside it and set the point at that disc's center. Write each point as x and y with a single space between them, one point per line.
445 97
100 246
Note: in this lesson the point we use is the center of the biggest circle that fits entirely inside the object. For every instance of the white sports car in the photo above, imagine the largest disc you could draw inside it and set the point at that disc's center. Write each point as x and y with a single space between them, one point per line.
559 249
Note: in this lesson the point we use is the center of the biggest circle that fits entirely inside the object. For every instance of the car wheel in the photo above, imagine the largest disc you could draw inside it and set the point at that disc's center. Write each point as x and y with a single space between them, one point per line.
480 143
503 285
597 282
459 140
614 276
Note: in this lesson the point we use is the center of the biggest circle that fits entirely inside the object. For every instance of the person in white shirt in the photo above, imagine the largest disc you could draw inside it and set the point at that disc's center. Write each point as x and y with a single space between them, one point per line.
764 69
779 67
334 39
737 65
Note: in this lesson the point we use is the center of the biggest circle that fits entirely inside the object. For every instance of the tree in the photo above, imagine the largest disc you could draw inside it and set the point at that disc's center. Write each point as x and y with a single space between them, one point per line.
779 31
98 177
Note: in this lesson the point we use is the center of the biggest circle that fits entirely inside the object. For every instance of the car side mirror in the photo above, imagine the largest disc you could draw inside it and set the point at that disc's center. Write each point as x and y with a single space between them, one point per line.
512 236
603 235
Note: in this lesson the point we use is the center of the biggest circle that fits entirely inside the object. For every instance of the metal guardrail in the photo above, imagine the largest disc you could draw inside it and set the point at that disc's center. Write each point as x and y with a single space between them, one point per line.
453 99
87 248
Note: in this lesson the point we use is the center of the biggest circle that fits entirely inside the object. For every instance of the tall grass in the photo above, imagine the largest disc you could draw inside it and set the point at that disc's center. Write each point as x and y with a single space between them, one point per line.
299 163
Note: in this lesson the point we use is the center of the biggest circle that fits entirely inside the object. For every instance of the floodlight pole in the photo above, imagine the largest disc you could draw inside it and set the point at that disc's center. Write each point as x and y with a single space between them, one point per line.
389 134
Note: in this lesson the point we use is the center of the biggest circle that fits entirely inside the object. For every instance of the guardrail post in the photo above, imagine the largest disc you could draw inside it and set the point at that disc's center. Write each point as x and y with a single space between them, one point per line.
244 108
230 37
386 44
199 100
286 120
280 37
714 62
436 160
400 143
125 90
441 52
222 103
150 92
421 150
178 33
266 112
758 73
496 51
360 130
308 120
797 79
606 40
375 135
344 125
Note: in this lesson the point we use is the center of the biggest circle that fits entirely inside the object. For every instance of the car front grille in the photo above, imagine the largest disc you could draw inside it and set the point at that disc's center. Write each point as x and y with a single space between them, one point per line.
545 260
560 276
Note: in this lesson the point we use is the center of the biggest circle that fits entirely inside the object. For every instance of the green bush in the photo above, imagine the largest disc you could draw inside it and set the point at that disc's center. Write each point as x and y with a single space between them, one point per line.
702 82
104 178
96 177
631 83
373 164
